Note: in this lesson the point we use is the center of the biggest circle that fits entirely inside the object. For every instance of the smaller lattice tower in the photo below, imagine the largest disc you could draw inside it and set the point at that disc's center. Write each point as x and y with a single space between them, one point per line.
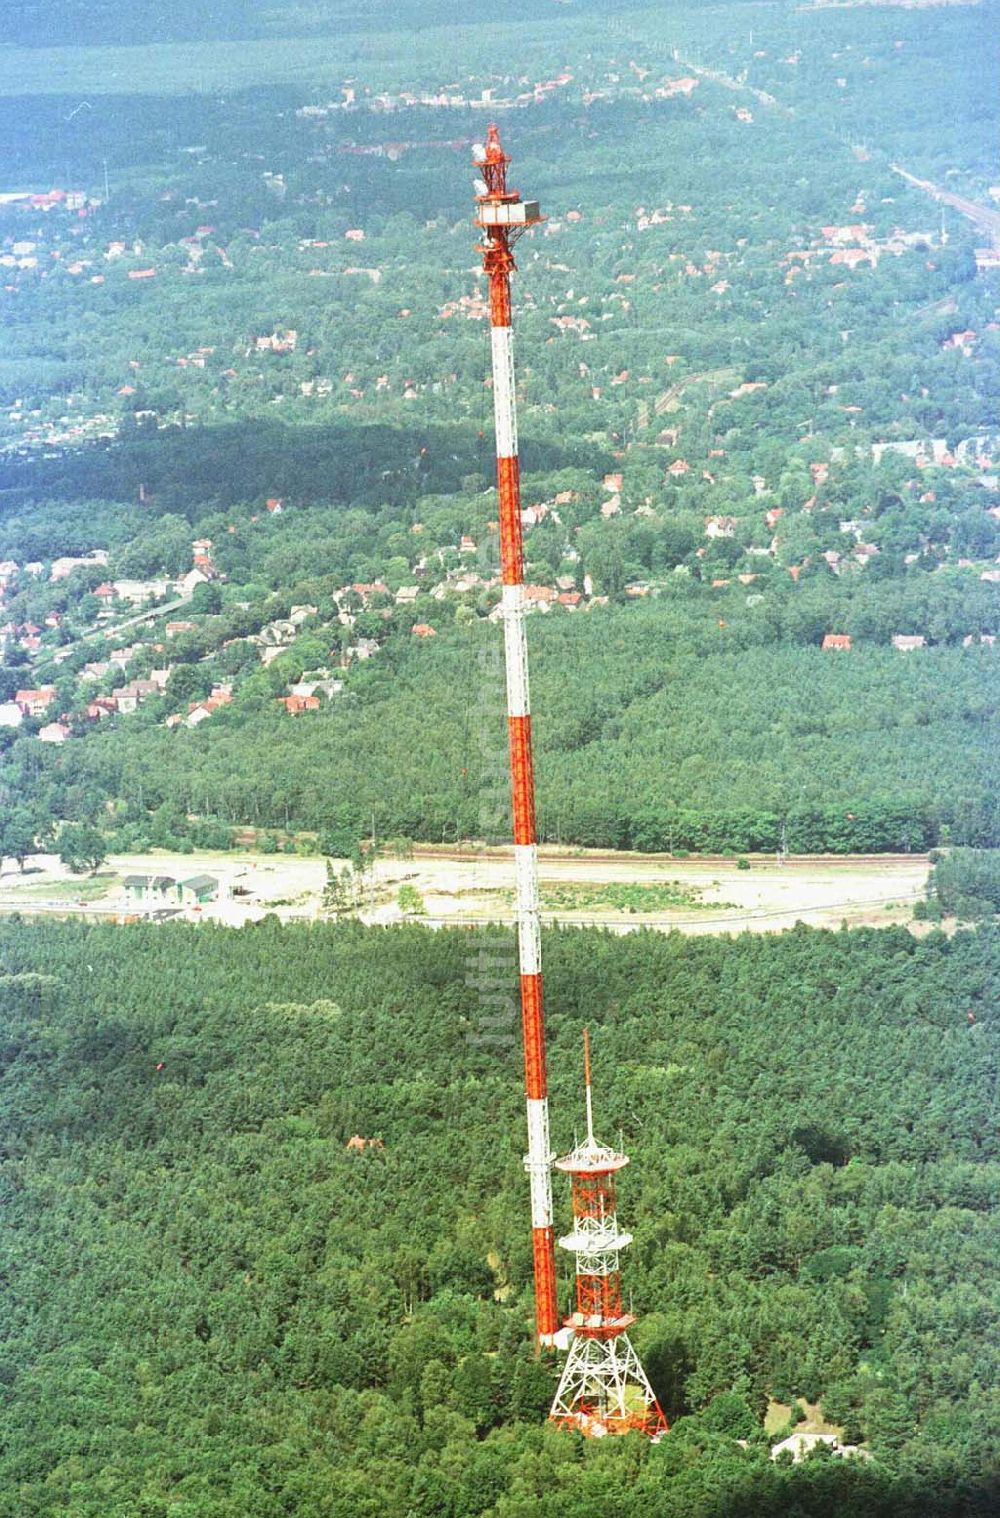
603 1388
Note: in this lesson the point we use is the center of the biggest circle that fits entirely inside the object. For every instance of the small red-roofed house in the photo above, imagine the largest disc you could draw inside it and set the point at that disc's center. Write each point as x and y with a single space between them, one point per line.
376 588
837 640
35 703
423 630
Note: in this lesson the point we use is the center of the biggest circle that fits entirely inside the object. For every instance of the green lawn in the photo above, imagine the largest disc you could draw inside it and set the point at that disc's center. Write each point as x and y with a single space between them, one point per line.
80 888
623 897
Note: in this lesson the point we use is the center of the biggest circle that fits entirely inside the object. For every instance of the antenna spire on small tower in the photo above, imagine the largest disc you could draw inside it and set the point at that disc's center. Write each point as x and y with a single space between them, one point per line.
586 1084
603 1388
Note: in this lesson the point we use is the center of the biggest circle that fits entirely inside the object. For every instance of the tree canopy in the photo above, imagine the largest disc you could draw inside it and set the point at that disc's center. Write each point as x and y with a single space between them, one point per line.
214 1302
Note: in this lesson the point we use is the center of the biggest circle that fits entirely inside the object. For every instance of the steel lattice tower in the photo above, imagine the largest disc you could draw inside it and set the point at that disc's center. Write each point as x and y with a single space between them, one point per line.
503 217
603 1388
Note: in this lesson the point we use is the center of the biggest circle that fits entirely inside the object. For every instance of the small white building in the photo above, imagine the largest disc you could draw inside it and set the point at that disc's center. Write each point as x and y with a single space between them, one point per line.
53 732
187 586
138 592
801 1444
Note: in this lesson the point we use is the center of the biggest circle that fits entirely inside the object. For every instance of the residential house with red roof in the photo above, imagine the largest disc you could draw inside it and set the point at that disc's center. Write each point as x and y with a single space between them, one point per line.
35 703
298 704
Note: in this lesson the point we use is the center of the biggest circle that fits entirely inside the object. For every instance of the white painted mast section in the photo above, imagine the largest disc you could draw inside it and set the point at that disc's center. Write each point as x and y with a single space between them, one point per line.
504 410
538 1162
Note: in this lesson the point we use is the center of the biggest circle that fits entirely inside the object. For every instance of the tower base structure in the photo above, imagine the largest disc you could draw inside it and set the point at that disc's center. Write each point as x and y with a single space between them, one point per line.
604 1390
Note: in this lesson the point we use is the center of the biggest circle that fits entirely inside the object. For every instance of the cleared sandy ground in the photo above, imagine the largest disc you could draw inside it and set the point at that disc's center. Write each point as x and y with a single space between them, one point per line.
767 897
474 885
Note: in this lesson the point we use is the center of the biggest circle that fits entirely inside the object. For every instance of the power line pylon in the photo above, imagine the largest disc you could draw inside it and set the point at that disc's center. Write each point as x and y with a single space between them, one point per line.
603 1388
502 217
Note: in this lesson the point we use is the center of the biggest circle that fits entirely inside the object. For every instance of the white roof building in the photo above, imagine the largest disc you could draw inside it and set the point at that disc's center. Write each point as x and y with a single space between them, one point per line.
800 1444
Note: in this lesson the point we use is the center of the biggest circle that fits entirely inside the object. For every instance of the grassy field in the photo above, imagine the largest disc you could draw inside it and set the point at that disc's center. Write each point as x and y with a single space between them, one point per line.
622 897
77 888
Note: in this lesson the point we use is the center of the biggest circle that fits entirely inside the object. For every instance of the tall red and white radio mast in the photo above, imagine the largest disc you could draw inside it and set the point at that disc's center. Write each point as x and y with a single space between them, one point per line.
503 217
603 1388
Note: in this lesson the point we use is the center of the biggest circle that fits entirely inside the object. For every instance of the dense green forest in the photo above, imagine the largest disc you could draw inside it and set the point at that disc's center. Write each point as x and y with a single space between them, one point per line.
214 1308
965 882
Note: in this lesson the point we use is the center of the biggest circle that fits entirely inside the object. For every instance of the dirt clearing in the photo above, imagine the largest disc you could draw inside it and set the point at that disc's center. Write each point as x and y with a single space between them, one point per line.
468 885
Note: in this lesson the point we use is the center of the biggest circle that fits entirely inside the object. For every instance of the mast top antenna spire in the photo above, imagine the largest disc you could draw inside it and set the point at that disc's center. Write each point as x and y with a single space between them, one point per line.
586 1086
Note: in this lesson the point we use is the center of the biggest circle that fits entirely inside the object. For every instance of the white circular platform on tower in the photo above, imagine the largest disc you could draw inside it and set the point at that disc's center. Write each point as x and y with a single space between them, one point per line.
592 1158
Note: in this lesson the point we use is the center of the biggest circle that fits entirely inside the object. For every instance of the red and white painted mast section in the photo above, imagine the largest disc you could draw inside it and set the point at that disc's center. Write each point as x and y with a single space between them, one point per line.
502 216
